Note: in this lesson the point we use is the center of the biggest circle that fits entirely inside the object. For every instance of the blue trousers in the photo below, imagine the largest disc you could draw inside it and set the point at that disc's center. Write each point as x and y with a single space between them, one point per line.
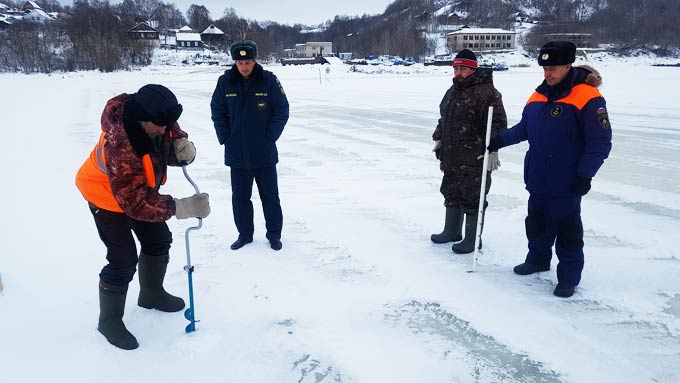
242 190
115 230
556 221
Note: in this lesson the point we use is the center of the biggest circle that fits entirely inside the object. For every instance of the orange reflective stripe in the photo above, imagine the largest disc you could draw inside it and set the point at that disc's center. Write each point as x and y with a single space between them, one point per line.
93 181
537 97
580 95
99 153
148 171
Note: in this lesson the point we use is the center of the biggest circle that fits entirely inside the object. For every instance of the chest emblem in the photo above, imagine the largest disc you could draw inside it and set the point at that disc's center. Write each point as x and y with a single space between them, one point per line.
261 104
556 111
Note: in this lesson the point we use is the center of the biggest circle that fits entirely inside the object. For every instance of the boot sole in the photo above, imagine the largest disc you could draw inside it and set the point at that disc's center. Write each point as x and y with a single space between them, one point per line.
445 241
533 272
112 340
236 247
153 307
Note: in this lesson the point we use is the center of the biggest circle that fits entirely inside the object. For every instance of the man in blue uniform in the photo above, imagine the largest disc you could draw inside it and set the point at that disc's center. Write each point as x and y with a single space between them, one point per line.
567 126
249 111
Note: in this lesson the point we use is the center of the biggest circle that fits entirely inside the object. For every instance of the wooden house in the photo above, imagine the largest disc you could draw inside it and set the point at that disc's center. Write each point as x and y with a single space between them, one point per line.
146 33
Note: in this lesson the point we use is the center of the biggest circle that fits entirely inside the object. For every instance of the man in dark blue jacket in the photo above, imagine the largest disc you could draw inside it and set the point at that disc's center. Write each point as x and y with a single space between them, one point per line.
567 126
249 111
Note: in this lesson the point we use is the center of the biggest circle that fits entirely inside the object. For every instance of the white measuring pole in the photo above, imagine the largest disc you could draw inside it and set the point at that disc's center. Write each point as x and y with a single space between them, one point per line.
482 194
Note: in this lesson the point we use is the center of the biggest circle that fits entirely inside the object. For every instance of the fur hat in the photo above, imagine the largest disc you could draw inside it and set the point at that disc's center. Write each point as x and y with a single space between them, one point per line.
243 50
557 53
157 104
465 58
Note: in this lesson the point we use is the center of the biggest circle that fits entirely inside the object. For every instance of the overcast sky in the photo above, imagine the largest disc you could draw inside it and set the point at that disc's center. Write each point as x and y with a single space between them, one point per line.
307 12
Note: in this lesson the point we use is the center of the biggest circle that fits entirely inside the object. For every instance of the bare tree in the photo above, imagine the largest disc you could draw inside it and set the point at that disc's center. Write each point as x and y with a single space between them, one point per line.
199 17
168 16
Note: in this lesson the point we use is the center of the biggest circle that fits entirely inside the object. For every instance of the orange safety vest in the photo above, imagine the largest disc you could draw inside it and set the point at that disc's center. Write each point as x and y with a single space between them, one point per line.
93 180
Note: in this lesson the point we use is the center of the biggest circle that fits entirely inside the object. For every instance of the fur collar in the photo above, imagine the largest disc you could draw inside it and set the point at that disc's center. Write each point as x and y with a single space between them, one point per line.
592 76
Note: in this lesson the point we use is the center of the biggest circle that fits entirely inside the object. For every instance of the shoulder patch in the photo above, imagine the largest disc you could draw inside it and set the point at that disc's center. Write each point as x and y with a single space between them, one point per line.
603 117
280 86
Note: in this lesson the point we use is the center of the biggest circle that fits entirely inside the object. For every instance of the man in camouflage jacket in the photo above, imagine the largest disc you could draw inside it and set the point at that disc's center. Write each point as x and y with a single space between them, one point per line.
121 180
460 146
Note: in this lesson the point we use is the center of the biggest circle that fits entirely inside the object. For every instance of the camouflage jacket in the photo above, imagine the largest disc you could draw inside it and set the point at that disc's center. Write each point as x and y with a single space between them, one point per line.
126 143
462 125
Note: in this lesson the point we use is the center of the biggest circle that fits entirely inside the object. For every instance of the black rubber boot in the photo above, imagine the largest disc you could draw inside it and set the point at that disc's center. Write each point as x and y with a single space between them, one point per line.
467 245
453 224
276 244
111 309
152 295
240 242
564 290
529 268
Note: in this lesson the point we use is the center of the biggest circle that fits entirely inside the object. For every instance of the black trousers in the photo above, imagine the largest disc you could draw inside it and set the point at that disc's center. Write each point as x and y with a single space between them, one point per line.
242 191
115 230
556 221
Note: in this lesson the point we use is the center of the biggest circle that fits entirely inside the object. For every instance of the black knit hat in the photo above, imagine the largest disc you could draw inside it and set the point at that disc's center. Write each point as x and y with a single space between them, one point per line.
557 53
466 58
157 104
243 50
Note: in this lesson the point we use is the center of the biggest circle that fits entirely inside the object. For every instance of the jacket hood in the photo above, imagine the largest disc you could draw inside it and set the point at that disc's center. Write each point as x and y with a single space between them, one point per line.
588 75
120 125
112 118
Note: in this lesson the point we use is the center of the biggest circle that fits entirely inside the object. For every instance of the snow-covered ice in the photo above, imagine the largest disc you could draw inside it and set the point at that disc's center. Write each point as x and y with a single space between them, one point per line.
358 293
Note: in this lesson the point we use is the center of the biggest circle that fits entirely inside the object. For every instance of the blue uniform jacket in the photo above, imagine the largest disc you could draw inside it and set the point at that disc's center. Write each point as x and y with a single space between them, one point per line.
249 116
568 131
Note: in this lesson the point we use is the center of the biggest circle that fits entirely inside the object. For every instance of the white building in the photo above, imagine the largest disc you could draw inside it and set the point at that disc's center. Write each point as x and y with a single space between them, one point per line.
186 38
37 15
314 49
481 39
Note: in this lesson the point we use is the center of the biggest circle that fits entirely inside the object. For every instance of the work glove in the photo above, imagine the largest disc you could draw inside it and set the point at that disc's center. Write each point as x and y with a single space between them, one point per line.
437 149
196 206
494 145
185 151
580 185
494 162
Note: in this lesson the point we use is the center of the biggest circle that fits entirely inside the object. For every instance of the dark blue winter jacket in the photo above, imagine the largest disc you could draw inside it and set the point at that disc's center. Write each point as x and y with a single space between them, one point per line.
568 131
249 116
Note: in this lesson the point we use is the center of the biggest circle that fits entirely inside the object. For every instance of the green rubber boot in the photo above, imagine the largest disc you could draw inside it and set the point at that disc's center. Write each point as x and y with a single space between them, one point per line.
152 295
111 309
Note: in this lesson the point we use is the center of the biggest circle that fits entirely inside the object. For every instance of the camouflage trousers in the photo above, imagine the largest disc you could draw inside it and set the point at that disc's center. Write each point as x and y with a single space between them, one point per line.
461 189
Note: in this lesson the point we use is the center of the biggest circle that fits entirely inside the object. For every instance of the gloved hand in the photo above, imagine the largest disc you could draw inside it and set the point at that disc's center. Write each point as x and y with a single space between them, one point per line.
437 149
196 206
494 162
185 151
580 185
494 145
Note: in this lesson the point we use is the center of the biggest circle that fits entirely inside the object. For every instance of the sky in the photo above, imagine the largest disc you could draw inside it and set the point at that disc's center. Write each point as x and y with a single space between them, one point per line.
358 293
290 11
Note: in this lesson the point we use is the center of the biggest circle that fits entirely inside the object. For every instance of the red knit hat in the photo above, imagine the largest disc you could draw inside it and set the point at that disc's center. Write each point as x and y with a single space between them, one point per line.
465 58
